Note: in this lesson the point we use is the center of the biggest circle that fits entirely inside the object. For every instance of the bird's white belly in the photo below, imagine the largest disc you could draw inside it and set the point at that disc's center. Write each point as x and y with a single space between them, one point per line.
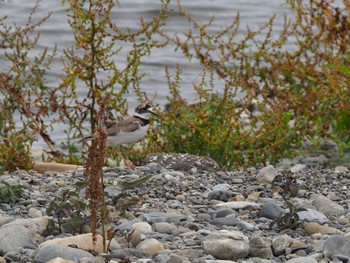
127 137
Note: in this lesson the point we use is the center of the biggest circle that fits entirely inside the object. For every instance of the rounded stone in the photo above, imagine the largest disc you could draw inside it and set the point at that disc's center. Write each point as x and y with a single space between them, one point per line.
143 227
136 237
52 251
311 215
221 187
260 248
150 246
164 227
326 206
280 244
33 212
14 237
271 210
60 260
336 245
225 248
83 241
313 227
37 226
267 174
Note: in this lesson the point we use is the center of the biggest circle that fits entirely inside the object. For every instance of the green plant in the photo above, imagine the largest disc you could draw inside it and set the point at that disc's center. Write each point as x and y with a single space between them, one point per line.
299 94
90 64
23 91
288 220
70 212
9 192
287 181
98 42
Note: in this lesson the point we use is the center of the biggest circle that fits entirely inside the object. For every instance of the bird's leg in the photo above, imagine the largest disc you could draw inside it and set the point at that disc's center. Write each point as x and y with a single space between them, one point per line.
127 162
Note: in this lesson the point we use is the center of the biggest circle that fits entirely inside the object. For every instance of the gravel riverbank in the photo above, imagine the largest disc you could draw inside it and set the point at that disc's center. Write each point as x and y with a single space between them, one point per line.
188 211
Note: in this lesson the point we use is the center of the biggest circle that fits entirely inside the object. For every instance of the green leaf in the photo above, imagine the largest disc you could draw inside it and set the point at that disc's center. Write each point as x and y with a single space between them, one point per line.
129 185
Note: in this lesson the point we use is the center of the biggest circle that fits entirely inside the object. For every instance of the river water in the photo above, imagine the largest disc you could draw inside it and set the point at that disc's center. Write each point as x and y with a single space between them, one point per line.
56 31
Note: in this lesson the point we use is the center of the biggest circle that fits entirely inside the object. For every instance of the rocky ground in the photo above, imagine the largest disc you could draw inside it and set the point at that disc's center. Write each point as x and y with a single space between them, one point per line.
189 210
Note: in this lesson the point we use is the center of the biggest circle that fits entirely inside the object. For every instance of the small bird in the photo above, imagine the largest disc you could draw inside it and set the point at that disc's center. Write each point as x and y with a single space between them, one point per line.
128 131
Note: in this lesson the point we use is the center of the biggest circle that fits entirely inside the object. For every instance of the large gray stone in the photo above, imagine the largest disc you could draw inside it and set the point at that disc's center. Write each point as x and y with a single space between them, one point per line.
311 215
326 206
225 248
164 227
336 245
14 237
271 210
260 248
49 252
151 246
36 226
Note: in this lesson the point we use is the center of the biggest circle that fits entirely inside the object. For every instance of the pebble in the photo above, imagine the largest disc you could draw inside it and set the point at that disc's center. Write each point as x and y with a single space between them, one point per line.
272 210
225 248
193 212
238 205
267 174
259 248
280 244
150 246
164 227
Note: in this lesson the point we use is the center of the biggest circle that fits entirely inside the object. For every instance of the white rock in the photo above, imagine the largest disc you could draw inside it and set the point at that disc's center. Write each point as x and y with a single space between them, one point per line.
238 205
60 260
221 187
36 225
143 227
225 248
341 169
151 246
237 235
311 215
164 227
267 174
34 212
297 168
83 242
280 243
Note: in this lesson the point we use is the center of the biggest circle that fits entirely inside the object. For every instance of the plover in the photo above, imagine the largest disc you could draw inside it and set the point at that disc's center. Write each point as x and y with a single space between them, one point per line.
128 131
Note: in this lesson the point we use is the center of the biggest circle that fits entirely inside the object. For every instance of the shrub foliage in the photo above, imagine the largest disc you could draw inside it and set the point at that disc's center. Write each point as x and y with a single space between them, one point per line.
299 94
273 99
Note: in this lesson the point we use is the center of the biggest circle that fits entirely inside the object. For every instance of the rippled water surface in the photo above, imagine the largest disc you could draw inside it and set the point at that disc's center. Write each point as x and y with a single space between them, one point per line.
57 31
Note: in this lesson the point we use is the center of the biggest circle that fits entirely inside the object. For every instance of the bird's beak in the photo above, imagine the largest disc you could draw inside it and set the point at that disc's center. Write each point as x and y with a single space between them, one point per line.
152 111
